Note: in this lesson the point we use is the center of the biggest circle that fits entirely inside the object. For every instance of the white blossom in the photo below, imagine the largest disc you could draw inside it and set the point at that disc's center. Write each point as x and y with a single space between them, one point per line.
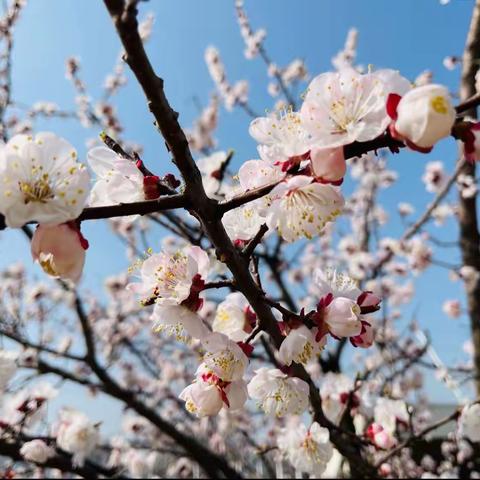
209 394
452 308
342 315
308 451
301 208
77 435
178 320
337 283
168 277
277 394
233 316
36 451
243 223
60 250
334 389
41 180
118 179
300 346
387 412
345 107
224 358
281 136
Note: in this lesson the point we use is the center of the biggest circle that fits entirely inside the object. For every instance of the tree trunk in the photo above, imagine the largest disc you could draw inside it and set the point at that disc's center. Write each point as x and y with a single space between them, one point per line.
469 235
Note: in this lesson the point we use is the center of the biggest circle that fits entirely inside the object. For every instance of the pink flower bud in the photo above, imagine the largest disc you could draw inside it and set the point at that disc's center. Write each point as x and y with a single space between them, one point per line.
380 437
422 117
343 317
385 469
60 250
150 187
368 300
328 164
452 308
365 339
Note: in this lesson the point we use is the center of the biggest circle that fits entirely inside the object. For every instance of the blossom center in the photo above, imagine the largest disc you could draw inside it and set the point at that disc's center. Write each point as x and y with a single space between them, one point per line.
170 274
311 449
36 191
47 264
439 104
306 354
225 361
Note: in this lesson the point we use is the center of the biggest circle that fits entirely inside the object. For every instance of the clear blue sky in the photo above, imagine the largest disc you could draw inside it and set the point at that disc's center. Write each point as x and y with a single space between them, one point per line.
411 35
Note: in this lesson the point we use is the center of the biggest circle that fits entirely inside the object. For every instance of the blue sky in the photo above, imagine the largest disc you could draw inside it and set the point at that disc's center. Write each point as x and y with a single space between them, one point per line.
411 35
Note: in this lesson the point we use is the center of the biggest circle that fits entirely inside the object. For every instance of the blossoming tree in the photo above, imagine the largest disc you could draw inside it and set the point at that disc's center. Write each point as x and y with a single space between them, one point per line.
225 348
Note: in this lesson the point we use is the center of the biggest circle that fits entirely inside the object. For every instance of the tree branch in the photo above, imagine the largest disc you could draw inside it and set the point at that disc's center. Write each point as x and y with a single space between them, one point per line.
467 208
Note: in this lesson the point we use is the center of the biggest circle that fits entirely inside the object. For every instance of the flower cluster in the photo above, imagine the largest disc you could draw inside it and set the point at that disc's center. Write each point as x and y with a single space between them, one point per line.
219 378
340 313
173 283
301 164
306 149
43 182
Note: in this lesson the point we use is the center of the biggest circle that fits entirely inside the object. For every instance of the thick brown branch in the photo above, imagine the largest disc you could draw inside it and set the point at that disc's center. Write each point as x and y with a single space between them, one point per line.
467 208
168 202
255 241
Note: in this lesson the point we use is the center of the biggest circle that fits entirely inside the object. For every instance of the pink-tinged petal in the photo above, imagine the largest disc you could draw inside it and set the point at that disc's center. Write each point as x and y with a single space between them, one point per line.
60 250
328 163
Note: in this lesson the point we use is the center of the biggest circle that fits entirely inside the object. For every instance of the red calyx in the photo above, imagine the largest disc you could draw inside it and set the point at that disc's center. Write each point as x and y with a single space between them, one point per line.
325 301
335 183
293 162
151 188
365 309
246 348
357 340
171 181
354 402
220 384
224 396
318 316
240 243
284 328
193 302
372 430
284 369
392 104
250 317
394 134
416 148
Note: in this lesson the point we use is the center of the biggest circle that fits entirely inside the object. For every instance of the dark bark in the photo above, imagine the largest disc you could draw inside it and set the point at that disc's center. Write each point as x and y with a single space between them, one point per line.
467 213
